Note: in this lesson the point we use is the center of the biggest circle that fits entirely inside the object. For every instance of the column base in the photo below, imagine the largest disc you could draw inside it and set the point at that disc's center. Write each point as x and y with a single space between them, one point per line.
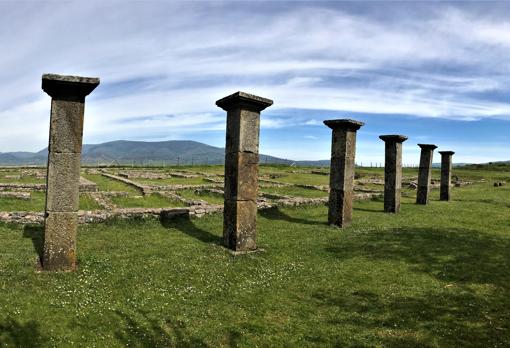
240 225
60 230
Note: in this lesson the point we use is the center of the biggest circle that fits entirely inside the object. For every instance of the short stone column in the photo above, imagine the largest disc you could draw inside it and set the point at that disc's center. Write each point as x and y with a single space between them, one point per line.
241 169
62 181
392 171
446 175
427 152
341 177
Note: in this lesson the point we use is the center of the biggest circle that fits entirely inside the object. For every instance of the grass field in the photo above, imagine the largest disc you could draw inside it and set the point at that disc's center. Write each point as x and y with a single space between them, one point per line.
295 191
37 200
150 201
211 198
431 276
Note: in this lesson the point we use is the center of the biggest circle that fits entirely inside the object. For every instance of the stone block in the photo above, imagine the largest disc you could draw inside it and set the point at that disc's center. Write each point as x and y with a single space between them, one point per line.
340 208
66 126
68 86
243 100
62 193
60 230
422 195
240 225
241 176
243 128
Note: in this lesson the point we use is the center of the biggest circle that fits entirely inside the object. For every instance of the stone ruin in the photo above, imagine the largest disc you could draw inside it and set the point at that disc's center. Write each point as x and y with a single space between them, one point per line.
240 184
343 149
62 181
241 169
392 171
424 173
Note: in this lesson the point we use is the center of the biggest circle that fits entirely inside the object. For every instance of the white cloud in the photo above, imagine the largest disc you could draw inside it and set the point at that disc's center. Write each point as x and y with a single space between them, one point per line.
437 63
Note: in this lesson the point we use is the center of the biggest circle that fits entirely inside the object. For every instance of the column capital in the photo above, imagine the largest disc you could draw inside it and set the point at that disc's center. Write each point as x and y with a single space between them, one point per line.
427 146
393 138
347 124
244 100
447 153
68 86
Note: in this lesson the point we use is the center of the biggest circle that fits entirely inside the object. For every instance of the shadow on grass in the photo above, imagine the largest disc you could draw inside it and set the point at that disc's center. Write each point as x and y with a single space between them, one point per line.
36 233
471 308
184 224
276 214
381 210
141 331
16 334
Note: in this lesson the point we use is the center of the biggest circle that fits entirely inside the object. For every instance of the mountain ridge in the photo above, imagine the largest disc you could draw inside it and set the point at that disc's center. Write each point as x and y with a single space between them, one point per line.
143 153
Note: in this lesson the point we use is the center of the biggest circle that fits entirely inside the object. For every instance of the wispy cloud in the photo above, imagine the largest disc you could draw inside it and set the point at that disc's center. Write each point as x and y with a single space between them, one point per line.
160 77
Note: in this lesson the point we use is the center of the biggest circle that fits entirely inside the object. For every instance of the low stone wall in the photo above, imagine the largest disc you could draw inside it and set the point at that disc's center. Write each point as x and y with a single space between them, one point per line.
142 188
19 195
87 185
156 188
22 187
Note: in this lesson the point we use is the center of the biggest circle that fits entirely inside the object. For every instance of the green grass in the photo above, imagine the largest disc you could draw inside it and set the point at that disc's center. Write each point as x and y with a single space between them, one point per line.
211 198
151 201
23 180
431 276
88 203
294 191
35 203
37 200
305 179
107 184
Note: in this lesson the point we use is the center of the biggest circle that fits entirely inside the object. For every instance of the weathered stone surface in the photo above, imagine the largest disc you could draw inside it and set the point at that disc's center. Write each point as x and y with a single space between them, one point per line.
243 128
241 168
60 241
63 182
19 195
340 208
239 225
67 86
422 195
62 191
241 183
245 101
392 172
343 149
66 126
345 123
446 175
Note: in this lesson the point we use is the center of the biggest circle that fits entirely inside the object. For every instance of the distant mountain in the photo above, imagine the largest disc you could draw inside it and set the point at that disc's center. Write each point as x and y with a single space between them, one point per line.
144 153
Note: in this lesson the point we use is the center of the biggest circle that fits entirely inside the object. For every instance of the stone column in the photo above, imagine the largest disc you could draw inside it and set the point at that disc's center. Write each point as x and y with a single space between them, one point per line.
241 169
427 152
62 181
341 177
392 171
446 174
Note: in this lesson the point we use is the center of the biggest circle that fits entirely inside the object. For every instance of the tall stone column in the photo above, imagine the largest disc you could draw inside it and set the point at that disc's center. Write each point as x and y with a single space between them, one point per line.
62 181
241 169
341 178
392 171
446 175
427 152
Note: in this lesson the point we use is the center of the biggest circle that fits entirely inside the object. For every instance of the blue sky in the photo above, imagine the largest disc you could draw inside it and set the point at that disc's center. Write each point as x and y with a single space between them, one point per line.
435 71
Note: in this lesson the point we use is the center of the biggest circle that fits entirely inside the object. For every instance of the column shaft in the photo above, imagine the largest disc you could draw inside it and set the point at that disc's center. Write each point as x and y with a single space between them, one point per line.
341 181
63 174
424 174
446 175
392 172
241 169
